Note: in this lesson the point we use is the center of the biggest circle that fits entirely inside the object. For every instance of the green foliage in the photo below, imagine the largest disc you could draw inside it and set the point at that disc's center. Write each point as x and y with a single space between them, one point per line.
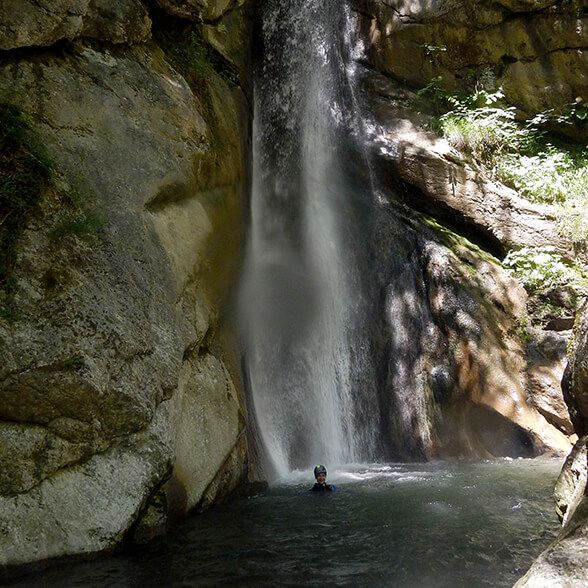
542 268
433 52
523 331
455 241
195 54
25 171
77 216
479 126
550 176
518 153
197 61
73 363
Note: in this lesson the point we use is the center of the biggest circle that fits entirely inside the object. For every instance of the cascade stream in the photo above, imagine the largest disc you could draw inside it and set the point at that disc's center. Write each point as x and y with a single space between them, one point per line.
305 296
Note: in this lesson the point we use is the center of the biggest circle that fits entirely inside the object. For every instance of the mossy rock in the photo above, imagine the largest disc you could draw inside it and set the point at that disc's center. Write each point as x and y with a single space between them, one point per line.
25 172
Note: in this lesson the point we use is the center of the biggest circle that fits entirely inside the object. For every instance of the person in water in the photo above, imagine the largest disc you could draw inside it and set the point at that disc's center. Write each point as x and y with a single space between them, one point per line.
320 475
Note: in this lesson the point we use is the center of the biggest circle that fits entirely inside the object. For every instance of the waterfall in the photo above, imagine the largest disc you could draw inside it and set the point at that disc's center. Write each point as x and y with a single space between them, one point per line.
304 304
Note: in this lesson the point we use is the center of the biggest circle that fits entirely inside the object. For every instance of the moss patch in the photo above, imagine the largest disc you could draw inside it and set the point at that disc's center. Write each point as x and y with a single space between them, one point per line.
25 172
457 243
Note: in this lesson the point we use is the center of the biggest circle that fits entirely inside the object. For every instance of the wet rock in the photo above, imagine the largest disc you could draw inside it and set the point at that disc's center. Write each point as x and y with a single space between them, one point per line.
565 563
571 484
454 315
84 508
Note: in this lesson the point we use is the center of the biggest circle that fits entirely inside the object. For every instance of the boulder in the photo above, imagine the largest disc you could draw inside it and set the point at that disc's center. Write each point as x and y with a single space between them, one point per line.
546 362
564 564
575 381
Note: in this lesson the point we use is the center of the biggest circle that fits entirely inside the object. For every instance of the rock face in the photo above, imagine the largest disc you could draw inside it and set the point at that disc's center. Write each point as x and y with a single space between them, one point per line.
571 484
546 358
118 392
29 23
534 50
482 392
480 379
575 382
565 562
444 184
454 316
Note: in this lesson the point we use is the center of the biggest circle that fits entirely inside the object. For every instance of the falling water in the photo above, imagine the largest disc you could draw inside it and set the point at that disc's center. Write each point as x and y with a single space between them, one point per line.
305 306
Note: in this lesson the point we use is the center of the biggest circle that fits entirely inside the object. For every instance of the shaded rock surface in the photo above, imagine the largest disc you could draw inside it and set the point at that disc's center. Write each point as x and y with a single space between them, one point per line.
571 484
575 382
565 562
454 313
26 23
116 383
484 394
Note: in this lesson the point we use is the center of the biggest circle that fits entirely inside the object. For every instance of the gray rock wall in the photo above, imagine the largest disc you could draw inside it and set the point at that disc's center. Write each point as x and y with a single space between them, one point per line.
117 386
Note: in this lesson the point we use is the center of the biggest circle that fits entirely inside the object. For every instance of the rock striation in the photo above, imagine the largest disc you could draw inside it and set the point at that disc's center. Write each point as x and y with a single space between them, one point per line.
121 407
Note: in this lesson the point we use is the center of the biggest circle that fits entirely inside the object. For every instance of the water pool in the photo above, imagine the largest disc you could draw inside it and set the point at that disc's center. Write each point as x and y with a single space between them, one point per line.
441 524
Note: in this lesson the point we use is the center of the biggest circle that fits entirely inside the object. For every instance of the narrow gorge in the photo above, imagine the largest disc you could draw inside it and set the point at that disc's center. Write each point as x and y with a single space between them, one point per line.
243 237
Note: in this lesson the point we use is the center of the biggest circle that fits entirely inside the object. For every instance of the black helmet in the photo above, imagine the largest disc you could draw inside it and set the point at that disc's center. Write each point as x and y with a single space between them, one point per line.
320 469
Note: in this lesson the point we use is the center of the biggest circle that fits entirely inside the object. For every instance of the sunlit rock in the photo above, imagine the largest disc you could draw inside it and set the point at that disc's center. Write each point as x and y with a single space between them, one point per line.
534 50
571 485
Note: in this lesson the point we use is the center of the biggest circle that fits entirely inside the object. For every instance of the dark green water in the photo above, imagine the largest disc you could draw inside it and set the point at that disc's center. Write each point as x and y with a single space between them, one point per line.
456 524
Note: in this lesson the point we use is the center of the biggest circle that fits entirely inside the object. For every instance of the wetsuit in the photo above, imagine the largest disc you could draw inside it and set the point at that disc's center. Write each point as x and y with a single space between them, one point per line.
321 487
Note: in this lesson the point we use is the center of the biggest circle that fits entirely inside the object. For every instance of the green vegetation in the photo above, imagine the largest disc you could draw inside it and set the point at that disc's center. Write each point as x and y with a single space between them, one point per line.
542 268
455 241
73 363
202 67
77 217
25 172
433 51
523 330
519 153
196 60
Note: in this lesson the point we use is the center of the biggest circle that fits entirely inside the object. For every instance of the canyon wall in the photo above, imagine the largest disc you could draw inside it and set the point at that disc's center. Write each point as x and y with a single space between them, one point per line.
121 405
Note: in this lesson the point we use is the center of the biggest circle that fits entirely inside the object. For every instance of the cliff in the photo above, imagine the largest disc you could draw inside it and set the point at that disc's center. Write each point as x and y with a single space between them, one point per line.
121 406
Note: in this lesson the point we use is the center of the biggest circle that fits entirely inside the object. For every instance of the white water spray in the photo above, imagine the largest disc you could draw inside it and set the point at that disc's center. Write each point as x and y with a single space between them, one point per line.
303 305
